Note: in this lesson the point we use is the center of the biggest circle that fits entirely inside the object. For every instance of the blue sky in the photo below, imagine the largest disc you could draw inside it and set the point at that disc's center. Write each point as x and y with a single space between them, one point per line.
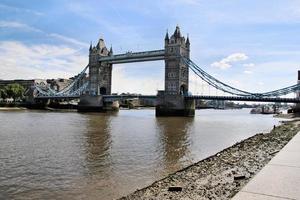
253 45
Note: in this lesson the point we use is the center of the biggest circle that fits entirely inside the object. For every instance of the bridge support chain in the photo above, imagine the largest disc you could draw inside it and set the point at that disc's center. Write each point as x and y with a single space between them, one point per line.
174 105
96 103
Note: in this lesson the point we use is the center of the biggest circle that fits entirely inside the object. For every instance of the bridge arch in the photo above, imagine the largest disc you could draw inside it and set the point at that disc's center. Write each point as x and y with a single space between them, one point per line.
183 89
103 91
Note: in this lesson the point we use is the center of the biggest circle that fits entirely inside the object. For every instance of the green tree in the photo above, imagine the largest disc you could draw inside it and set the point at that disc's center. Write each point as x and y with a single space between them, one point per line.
3 93
15 91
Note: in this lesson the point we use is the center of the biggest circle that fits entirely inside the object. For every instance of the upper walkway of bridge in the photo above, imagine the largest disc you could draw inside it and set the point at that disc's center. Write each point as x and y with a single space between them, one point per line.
134 57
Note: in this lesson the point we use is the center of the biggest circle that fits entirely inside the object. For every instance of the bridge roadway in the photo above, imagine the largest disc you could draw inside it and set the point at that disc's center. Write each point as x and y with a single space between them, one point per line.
204 97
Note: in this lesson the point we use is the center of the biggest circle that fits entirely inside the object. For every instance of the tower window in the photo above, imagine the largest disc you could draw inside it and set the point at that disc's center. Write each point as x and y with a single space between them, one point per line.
171 74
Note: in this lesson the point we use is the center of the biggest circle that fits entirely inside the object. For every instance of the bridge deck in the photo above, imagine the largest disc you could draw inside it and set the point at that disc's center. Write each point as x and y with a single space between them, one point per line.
204 97
245 98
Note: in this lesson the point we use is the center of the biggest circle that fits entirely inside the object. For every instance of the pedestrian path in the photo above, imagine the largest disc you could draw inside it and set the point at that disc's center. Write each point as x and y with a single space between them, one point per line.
279 179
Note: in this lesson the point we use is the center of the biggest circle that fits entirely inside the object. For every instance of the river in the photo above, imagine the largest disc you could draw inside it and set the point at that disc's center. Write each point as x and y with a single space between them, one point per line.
69 155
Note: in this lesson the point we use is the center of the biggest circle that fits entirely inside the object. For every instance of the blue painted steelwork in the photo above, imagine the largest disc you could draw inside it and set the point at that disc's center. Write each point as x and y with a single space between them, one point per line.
69 90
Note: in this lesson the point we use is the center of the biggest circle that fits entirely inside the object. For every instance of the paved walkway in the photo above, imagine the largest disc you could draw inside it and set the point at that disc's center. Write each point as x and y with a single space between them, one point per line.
279 179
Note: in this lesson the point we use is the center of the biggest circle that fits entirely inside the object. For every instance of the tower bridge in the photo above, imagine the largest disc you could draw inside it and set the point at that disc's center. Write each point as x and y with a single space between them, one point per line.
174 100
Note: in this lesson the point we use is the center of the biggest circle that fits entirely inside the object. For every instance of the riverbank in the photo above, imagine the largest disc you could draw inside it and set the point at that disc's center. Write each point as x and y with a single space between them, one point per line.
222 175
11 108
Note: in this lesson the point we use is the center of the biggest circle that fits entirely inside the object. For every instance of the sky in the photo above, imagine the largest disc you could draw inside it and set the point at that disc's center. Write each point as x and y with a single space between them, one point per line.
252 45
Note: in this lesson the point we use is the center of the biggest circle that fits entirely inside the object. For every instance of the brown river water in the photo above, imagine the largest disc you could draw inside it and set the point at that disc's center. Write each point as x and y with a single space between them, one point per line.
69 155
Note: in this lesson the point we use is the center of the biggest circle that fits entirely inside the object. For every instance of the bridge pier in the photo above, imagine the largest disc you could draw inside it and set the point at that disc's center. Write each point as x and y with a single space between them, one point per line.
174 105
96 103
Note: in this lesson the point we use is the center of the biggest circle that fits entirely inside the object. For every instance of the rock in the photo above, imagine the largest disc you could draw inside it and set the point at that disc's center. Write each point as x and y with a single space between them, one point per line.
175 189
240 177
274 152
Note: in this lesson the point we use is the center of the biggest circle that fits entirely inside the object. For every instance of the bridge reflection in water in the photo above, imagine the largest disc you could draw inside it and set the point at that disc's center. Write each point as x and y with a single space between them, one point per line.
175 141
130 149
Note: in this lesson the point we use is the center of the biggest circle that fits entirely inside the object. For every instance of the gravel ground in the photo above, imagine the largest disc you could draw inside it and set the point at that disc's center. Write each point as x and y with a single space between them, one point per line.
222 175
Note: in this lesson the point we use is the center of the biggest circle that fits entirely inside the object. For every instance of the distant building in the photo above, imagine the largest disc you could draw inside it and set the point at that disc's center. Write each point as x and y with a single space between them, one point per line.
58 84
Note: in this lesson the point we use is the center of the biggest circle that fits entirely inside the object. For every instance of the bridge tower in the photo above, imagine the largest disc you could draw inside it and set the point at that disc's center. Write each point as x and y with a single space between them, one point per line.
100 76
171 101
99 72
176 72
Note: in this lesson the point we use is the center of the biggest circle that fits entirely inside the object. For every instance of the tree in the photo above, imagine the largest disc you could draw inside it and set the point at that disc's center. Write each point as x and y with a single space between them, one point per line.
15 91
3 93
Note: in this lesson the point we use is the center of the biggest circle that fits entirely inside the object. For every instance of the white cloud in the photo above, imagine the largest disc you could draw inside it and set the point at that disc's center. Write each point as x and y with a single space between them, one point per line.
261 83
17 25
67 39
19 10
248 65
20 61
226 63
248 72
26 27
133 84
221 65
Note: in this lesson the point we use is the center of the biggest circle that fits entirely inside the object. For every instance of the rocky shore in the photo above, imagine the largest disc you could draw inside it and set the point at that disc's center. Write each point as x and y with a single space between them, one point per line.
222 175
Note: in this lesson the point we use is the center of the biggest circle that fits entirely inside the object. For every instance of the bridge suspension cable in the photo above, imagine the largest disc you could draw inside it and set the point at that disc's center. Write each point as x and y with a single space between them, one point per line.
232 90
69 90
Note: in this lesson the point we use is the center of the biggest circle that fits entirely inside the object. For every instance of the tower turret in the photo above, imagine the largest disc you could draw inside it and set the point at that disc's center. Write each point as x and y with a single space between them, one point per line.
187 43
167 38
91 47
100 44
177 33
110 51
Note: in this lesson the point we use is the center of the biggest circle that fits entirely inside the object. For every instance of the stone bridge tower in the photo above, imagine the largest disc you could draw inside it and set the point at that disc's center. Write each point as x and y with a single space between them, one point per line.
99 72
171 101
176 72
